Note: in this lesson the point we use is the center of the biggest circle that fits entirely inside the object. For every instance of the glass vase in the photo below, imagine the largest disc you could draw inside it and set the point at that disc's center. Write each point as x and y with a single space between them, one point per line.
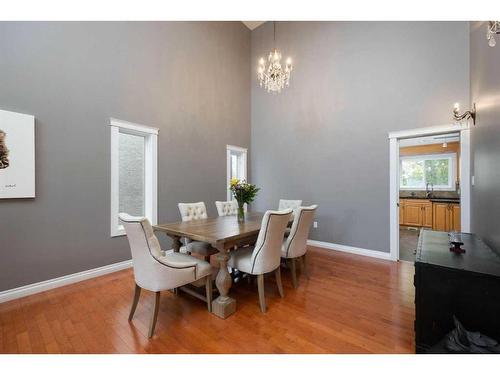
241 212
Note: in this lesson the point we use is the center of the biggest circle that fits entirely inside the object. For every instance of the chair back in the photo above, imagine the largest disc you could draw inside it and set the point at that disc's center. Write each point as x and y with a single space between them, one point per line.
287 203
296 243
227 208
266 255
193 211
144 247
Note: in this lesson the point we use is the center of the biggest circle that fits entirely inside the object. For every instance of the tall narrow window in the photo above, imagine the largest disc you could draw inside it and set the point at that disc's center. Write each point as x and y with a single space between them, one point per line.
236 165
133 172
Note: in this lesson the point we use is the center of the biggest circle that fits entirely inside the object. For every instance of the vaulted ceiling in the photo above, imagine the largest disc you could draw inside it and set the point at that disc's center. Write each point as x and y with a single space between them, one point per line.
253 24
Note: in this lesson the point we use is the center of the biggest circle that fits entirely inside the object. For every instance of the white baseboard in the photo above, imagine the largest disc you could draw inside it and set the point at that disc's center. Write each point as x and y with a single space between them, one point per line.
350 249
42 286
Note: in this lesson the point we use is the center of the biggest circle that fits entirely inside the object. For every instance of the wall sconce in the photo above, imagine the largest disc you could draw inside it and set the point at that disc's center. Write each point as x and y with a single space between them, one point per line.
493 29
466 115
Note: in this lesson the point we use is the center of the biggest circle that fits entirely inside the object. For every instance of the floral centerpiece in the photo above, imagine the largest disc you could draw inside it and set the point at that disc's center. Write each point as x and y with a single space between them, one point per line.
243 192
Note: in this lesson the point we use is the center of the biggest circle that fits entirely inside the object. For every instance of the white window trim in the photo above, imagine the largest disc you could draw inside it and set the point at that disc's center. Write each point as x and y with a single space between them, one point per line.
150 135
244 153
451 177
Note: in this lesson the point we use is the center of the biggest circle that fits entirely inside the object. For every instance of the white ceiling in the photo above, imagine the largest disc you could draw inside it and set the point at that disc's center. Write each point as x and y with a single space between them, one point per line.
453 137
253 24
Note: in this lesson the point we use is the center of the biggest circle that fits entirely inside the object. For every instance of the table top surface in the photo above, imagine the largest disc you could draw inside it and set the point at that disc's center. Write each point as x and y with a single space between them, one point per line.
215 229
434 248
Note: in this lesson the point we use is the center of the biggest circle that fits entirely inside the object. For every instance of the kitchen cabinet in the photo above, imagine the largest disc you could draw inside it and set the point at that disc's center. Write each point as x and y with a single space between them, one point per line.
455 218
442 216
412 213
446 216
427 215
415 212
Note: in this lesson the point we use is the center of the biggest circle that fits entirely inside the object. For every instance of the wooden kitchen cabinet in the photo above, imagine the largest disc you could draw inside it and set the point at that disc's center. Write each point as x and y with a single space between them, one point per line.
415 212
412 213
440 216
401 211
446 217
455 218
424 213
427 215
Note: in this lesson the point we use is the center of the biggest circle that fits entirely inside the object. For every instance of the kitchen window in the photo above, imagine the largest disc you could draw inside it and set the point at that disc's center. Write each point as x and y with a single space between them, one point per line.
436 170
236 165
133 172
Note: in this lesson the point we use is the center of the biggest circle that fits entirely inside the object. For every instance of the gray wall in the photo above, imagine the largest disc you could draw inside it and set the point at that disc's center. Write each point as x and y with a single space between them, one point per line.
485 92
324 139
189 79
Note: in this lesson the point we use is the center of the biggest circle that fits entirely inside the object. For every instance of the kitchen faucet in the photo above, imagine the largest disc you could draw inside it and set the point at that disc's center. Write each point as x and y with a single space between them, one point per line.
429 193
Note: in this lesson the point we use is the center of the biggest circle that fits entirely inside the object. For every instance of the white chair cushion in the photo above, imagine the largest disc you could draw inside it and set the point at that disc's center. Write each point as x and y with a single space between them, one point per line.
241 259
180 260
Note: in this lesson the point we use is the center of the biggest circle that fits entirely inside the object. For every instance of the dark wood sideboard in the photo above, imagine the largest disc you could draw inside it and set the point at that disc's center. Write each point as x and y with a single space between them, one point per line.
447 284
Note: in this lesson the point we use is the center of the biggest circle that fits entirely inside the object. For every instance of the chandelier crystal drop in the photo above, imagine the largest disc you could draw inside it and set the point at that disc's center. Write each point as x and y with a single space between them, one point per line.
273 76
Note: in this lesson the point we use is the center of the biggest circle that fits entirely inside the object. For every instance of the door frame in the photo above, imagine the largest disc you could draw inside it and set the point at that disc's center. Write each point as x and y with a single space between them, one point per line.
465 175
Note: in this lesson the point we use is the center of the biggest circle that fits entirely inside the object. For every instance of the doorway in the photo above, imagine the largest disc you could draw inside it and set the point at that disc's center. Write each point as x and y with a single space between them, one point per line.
429 185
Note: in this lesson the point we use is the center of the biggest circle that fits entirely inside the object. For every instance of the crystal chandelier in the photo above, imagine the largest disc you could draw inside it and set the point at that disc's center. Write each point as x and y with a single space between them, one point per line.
273 76
493 28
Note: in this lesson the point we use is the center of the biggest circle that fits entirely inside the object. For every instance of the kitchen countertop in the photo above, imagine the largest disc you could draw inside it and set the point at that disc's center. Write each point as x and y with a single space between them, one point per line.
445 200
435 199
451 196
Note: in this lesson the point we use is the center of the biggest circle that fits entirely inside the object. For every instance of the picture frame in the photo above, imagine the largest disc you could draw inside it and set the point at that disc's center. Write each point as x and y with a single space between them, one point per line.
17 155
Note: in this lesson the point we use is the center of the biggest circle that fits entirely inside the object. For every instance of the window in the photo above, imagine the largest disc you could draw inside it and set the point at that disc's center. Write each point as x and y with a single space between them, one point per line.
438 170
236 165
133 172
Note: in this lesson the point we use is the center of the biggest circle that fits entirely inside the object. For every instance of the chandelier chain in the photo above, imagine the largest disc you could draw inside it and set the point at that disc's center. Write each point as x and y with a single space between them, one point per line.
274 36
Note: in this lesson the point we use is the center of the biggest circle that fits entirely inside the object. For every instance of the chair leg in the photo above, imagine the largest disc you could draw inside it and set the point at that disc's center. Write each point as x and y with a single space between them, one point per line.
156 306
293 268
304 265
208 289
277 275
137 294
262 298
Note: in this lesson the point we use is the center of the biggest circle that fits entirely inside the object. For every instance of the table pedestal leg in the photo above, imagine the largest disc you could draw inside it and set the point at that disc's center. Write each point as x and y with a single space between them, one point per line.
223 306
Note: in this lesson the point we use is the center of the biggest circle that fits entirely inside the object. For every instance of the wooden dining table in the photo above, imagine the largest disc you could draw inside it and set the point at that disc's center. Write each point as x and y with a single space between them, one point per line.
224 233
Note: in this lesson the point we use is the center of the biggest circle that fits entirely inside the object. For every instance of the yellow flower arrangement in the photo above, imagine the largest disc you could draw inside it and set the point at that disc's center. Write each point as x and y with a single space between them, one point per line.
243 192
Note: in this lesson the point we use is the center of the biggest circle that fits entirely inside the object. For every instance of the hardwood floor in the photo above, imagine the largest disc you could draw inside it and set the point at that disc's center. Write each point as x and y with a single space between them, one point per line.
350 304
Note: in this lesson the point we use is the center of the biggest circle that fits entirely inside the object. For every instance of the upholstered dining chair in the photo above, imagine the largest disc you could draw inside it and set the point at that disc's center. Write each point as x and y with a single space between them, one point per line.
227 208
157 270
196 211
264 256
295 245
285 204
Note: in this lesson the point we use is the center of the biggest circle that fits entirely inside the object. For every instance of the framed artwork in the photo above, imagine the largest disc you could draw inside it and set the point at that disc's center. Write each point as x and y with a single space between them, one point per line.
17 155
